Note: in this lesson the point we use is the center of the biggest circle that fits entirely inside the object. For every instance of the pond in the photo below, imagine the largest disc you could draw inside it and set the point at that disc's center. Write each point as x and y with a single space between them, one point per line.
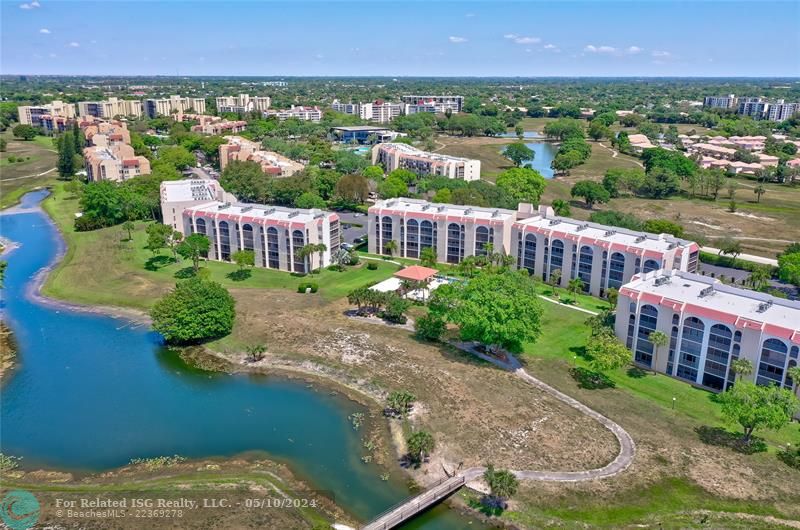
544 151
91 392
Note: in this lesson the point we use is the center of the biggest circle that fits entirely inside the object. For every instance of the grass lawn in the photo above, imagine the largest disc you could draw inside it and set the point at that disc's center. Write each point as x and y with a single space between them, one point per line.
102 267
18 178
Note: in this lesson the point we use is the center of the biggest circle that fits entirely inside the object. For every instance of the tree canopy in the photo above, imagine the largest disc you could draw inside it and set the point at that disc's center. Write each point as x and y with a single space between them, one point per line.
522 184
196 310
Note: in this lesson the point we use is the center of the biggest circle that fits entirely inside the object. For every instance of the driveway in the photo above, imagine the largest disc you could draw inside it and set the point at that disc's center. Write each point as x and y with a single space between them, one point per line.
348 220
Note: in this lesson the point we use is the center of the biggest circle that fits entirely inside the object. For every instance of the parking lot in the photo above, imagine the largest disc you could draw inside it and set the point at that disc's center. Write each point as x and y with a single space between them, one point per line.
351 232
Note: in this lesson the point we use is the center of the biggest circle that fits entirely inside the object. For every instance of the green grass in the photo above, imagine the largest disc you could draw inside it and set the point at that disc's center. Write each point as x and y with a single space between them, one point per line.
18 178
44 141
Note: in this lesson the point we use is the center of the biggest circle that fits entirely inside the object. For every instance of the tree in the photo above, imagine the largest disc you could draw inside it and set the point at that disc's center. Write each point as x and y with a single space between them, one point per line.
564 128
78 139
392 187
607 353
518 153
598 130
662 226
591 191
759 191
429 327
352 189
173 241
498 310
66 156
657 339
759 278
502 484
672 161
320 248
194 311
575 285
742 367
246 181
244 258
443 195
129 227
194 247
390 247
177 156
555 280
3 145
305 251
309 200
400 402
659 183
730 247
561 207
789 268
407 176
794 374
522 184
427 257
25 132
612 295
372 173
420 444
757 407
255 352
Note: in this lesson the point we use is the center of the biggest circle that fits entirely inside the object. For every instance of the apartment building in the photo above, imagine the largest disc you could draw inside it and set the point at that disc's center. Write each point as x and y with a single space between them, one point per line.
52 117
102 133
362 110
720 102
378 111
177 195
753 107
603 257
271 163
110 108
297 111
212 124
174 104
395 155
453 231
438 104
710 325
116 162
781 110
364 134
243 103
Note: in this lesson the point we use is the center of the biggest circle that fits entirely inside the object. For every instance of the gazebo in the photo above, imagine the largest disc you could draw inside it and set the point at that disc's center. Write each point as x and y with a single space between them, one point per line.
416 273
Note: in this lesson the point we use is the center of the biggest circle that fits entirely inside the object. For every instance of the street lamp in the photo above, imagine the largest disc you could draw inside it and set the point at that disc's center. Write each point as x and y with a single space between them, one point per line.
673 402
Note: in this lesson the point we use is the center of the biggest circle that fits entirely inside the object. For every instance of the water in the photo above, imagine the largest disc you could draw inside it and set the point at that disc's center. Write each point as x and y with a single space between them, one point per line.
91 392
545 152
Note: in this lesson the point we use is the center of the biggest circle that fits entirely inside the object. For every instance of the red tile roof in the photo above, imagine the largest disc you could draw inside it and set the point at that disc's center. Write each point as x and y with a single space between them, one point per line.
416 273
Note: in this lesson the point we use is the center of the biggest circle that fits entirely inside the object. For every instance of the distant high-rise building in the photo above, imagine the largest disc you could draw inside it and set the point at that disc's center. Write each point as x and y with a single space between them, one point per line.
52 116
753 107
110 108
173 104
243 103
438 104
720 102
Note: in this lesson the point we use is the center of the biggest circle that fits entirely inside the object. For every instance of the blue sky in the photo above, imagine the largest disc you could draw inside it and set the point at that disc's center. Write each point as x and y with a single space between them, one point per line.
466 38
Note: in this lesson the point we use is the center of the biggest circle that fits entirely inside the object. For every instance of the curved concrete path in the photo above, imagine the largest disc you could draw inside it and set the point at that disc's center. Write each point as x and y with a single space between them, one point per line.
627 449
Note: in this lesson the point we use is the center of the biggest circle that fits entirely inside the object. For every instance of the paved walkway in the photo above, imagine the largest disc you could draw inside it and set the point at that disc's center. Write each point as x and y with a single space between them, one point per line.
749 257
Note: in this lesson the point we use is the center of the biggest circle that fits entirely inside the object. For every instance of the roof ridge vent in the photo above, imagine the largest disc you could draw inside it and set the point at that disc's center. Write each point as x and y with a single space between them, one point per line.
223 206
468 211
661 280
441 208
246 208
763 306
496 213
269 211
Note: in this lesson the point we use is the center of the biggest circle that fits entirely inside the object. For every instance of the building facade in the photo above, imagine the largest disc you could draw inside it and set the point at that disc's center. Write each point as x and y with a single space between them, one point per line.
720 102
177 195
297 111
243 103
709 325
115 162
102 133
439 104
378 111
110 108
174 104
52 117
452 231
271 163
781 110
603 257
363 134
395 155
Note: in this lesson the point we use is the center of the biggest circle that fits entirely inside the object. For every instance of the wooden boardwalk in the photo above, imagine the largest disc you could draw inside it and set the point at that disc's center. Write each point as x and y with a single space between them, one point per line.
411 507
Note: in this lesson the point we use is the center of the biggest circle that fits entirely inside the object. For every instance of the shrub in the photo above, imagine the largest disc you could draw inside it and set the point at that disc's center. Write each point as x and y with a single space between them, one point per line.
194 311
727 261
372 266
307 285
429 327
12 159
790 456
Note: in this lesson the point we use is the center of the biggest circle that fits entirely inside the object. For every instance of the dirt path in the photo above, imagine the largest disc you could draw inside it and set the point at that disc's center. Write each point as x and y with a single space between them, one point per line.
615 154
31 176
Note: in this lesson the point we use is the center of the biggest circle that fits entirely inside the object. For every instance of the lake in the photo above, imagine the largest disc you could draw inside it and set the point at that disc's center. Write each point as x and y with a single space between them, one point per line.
545 152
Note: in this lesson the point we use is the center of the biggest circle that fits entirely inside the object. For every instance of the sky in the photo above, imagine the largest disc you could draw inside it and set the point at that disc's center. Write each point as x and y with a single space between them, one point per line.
411 38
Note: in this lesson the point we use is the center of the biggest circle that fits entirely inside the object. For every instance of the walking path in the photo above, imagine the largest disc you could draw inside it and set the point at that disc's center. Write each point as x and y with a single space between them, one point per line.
750 257
31 176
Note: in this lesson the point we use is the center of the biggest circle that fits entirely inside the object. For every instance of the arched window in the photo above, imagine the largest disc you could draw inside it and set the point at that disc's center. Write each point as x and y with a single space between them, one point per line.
793 352
201 225
412 239
224 241
737 336
616 270
772 363
648 318
427 237
481 239
675 319
673 343
717 353
585 267
691 346
556 256
247 237
546 266
273 248
386 234
637 266
604 273
298 242
631 329
789 383
651 265
455 243
529 253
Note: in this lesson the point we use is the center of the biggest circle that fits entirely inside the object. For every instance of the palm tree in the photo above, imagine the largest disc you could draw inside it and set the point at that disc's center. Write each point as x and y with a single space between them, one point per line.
390 247
657 339
321 248
575 285
428 257
794 373
742 367
554 280
304 252
759 277
759 191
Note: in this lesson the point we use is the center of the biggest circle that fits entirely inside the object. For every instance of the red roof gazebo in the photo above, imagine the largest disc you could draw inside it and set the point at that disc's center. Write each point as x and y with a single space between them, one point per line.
416 273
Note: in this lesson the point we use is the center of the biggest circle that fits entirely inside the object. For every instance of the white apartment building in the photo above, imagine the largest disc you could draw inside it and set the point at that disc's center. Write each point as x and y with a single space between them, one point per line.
394 155
110 108
720 102
177 195
781 110
710 325
453 231
51 116
753 107
297 111
173 104
362 110
603 257
243 103
378 111
439 104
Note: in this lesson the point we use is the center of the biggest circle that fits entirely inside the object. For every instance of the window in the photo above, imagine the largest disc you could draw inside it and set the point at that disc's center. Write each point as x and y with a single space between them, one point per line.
719 346
201 226
616 270
604 273
273 248
247 237
735 351
412 239
673 343
631 329
298 242
529 253
481 240
651 265
773 360
455 243
224 241
637 267
648 318
691 346
427 235
789 383
386 234
692 266
546 266
737 337
556 256
585 267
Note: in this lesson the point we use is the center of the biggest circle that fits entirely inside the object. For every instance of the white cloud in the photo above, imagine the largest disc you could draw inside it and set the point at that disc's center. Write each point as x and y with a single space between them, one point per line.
520 39
552 47
74 44
633 50
660 53
599 49
456 40
30 5
52 55
44 31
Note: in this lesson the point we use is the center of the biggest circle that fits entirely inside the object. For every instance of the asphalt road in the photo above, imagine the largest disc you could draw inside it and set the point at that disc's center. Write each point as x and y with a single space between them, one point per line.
350 232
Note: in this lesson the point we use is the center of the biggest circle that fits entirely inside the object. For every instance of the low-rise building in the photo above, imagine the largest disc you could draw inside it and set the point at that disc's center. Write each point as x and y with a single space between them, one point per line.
297 111
271 163
394 156
214 125
603 257
243 103
110 108
104 133
174 104
709 325
52 117
711 150
364 134
639 142
116 162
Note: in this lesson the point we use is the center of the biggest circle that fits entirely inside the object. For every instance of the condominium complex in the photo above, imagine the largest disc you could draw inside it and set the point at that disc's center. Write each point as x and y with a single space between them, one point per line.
720 102
212 124
378 111
439 104
755 107
52 117
364 134
271 163
297 111
116 162
177 195
110 108
394 156
274 233
173 104
243 103
603 257
102 133
709 325
780 110
452 231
